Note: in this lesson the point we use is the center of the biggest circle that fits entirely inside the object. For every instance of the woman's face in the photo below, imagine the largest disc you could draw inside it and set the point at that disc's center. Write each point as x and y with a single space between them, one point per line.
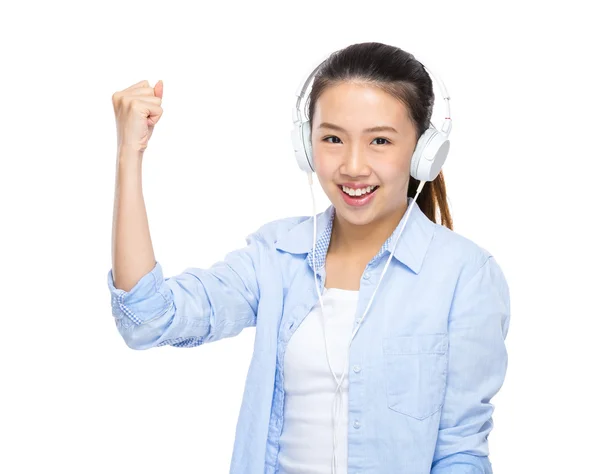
374 165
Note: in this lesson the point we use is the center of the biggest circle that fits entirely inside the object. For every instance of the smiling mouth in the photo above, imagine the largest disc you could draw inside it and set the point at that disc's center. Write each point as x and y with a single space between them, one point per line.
357 193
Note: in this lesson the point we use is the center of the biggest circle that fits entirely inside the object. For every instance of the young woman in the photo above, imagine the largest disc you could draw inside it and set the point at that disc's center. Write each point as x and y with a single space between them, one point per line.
379 331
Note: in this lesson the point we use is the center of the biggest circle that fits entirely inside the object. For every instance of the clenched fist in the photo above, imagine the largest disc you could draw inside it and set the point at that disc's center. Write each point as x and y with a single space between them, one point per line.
137 111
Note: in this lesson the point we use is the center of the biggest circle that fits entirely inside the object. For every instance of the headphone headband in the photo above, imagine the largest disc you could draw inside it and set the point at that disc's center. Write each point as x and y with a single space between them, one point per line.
303 86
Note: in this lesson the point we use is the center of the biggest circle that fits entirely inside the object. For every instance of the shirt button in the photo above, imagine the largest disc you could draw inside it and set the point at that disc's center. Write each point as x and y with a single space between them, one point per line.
356 368
367 276
356 424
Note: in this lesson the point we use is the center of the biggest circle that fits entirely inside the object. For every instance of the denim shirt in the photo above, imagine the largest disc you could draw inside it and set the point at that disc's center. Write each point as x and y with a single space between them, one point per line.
423 366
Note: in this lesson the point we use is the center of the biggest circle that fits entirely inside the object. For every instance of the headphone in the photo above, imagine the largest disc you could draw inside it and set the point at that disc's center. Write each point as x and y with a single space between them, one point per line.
426 162
428 157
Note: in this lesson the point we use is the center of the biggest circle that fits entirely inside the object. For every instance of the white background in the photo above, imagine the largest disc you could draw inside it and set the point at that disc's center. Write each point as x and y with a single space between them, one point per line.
522 178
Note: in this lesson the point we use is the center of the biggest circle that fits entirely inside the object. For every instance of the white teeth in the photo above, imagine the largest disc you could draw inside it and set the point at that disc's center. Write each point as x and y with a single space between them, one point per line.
357 192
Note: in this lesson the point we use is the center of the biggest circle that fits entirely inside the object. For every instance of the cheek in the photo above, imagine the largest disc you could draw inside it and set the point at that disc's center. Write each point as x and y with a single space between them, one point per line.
324 167
392 174
396 168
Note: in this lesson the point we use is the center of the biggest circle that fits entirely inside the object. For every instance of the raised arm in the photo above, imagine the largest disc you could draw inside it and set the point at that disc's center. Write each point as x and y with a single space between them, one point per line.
188 309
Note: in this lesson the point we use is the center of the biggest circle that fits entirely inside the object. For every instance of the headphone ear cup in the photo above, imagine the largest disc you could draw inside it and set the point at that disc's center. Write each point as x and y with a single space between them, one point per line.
302 152
430 155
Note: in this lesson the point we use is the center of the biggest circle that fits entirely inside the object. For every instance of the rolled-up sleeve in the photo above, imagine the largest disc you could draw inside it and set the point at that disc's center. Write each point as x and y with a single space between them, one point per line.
194 307
477 363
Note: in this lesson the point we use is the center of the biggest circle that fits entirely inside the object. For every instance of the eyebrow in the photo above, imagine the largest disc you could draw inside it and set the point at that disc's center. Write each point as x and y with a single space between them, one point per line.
380 128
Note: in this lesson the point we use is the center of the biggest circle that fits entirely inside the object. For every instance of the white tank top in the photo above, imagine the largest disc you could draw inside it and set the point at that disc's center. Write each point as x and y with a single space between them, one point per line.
306 443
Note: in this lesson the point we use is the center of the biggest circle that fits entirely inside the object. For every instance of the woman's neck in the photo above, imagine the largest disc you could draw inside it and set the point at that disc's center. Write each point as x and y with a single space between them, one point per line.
363 240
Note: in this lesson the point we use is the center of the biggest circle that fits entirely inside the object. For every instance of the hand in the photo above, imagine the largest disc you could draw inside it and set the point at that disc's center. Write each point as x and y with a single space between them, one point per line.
137 110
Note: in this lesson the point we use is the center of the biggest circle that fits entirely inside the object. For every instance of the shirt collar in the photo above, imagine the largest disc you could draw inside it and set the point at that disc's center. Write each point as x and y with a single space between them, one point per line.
410 251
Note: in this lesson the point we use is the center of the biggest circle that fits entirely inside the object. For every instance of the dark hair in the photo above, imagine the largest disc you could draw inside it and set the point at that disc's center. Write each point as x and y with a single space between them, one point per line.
398 73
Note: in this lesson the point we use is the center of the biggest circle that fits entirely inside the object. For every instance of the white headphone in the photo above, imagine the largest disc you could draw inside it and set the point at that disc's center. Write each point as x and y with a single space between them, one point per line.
426 162
428 157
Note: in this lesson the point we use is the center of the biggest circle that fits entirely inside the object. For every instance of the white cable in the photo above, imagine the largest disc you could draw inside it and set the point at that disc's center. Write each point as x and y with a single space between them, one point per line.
335 412
315 270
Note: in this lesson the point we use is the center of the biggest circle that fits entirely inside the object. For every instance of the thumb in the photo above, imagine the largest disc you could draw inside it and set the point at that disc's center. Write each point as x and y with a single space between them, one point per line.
158 89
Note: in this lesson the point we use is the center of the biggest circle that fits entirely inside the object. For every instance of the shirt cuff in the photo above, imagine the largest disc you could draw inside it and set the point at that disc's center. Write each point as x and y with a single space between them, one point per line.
462 463
146 300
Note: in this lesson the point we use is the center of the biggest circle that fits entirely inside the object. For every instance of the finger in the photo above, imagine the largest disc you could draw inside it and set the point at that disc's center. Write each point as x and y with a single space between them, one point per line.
142 91
150 105
145 99
155 112
158 89
143 83
118 95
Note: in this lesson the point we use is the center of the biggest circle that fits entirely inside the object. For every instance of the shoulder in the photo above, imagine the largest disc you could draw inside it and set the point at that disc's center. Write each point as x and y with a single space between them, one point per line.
478 281
270 232
446 239
451 249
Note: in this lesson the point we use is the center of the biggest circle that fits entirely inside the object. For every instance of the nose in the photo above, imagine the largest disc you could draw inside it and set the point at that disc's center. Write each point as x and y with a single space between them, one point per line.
354 163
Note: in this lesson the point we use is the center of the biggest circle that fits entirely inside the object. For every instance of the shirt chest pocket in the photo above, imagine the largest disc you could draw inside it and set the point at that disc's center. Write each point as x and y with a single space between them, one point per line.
415 373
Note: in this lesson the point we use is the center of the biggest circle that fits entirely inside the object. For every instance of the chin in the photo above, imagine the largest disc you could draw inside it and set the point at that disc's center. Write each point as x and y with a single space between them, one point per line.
355 218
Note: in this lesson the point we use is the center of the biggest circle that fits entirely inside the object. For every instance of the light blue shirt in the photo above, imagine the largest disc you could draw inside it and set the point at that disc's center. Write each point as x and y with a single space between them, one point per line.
423 366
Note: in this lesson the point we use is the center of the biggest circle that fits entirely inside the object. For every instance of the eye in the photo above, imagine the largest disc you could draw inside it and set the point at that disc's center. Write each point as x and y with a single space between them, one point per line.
381 138
332 136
